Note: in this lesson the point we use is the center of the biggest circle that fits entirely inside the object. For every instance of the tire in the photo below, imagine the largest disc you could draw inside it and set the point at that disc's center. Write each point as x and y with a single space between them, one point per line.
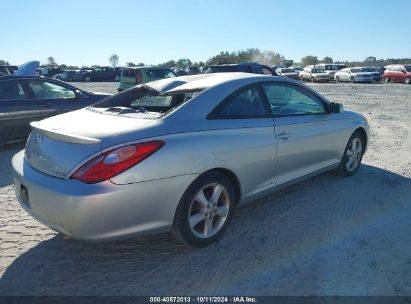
407 80
352 79
70 79
312 79
301 79
87 78
58 78
345 169
205 211
386 79
337 79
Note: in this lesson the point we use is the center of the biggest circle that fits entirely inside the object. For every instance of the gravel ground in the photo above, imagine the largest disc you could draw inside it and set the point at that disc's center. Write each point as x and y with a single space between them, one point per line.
326 236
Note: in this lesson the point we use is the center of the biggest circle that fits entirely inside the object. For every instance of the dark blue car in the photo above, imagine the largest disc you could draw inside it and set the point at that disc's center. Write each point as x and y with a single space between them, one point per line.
24 99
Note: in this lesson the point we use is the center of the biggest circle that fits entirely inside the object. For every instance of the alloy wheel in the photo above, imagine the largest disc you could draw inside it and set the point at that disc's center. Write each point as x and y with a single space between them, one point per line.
354 154
209 210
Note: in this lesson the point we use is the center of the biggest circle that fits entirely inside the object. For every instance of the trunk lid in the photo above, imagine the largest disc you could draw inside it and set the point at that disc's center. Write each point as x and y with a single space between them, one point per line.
59 144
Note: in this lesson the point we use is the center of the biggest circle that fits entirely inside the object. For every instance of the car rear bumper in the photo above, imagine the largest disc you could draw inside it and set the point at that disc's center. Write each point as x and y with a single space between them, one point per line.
99 211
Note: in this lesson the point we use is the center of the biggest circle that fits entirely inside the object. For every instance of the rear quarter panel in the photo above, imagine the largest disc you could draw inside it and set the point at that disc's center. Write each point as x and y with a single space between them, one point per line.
248 152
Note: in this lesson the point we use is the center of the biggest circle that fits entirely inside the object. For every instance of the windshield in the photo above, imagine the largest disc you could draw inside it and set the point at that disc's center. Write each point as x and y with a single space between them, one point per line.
142 99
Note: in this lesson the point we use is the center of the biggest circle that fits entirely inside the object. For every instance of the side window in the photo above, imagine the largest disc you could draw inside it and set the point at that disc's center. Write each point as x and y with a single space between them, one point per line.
246 104
11 90
48 90
288 101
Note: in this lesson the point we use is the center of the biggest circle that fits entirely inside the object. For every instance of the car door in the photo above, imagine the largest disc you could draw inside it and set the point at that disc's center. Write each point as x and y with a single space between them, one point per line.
307 135
17 109
56 98
242 139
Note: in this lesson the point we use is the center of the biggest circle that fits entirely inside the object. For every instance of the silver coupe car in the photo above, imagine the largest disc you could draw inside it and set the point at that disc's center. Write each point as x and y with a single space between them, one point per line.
180 154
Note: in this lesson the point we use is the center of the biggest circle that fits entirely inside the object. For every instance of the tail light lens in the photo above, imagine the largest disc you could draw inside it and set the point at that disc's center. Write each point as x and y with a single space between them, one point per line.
114 162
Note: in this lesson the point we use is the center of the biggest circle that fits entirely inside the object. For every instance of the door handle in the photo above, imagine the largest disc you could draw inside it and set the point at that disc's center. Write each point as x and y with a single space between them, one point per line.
283 135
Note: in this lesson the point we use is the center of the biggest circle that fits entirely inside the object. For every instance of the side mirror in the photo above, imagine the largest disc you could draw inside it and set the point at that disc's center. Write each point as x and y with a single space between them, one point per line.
336 107
79 94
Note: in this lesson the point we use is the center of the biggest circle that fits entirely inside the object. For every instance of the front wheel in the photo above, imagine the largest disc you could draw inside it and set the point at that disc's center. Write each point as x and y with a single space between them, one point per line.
337 79
204 210
352 79
312 79
407 80
87 78
352 157
386 79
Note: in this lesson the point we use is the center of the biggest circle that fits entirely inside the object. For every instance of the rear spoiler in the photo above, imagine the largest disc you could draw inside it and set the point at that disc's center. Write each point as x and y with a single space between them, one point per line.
77 139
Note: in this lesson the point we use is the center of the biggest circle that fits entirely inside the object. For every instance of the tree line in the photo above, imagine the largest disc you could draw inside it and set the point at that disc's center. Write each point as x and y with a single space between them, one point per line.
266 57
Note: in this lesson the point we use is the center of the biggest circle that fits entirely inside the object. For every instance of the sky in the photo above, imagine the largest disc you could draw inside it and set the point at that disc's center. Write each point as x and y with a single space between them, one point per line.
87 32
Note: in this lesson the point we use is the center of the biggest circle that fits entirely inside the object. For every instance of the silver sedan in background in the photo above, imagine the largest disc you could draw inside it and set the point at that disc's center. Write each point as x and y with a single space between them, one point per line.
313 74
353 75
180 154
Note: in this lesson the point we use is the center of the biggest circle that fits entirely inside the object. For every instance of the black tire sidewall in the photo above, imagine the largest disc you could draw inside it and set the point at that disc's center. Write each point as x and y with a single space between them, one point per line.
342 168
181 229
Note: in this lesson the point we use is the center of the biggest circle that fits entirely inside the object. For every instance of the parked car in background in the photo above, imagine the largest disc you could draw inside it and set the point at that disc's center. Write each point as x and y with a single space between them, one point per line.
178 71
132 76
246 67
24 99
329 68
313 74
104 73
70 75
174 155
7 70
297 69
398 73
375 72
288 72
341 66
192 70
49 72
356 74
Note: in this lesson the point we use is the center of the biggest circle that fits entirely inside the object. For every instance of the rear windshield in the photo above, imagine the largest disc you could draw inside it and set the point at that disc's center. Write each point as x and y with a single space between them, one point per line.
152 73
142 99
357 70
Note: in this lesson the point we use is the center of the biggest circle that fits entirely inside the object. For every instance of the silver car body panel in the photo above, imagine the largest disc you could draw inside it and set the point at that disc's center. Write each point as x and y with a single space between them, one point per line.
262 153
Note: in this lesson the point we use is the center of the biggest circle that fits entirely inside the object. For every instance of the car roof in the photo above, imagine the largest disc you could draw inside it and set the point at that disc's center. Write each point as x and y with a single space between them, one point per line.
198 82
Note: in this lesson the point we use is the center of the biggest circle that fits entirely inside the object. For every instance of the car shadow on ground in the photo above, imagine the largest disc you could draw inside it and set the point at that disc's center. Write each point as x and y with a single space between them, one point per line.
6 154
326 236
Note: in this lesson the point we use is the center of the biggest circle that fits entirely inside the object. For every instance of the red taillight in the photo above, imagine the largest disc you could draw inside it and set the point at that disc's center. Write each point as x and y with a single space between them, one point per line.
114 162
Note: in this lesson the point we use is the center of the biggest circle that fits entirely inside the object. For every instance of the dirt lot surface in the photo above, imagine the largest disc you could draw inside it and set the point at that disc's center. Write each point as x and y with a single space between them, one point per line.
326 236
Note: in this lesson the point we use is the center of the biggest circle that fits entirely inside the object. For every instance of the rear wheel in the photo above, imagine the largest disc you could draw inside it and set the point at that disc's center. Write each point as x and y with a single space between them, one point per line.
204 210
70 79
58 78
337 79
312 79
386 79
352 155
352 79
407 80
87 78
